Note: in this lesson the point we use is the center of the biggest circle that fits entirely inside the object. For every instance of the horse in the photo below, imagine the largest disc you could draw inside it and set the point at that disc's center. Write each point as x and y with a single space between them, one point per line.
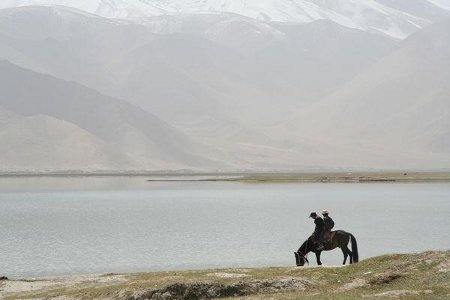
339 239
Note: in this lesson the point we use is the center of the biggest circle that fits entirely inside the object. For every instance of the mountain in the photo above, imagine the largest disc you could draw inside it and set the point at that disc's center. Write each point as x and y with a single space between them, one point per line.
77 122
200 65
204 74
399 104
58 40
42 142
382 16
238 92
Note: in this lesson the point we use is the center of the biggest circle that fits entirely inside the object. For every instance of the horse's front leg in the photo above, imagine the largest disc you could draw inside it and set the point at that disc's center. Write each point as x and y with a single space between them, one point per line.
318 258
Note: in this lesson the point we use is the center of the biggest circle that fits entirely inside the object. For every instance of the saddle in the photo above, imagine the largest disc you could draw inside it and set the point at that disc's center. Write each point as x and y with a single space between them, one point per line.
328 238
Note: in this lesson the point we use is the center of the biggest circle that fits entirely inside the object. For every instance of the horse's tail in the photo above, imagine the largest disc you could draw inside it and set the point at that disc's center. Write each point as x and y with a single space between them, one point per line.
355 255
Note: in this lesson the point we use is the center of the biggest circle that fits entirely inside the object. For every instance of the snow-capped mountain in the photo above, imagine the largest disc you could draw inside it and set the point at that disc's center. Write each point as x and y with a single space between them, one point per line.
209 90
360 14
379 16
105 8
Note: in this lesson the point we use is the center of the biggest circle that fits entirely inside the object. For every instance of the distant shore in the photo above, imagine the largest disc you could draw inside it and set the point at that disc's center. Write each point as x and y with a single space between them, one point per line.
405 276
282 177
329 178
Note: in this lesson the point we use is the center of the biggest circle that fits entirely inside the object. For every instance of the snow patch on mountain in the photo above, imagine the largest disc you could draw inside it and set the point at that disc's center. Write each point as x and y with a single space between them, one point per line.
372 16
368 15
441 3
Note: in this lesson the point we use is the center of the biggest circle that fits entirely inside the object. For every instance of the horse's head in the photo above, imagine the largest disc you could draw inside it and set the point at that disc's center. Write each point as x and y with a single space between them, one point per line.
302 260
300 255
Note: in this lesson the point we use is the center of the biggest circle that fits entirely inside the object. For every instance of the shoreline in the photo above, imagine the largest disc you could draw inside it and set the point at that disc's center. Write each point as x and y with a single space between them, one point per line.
409 276
282 177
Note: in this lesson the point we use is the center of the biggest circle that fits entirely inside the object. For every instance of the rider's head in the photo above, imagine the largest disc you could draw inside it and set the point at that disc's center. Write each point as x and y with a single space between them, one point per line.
313 215
325 212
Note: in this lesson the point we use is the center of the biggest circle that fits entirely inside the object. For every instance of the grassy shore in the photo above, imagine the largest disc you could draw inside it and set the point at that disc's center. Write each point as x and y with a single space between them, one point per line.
407 276
362 177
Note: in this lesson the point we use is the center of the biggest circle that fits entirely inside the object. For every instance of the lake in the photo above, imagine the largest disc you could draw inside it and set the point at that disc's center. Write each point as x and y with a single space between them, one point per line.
55 226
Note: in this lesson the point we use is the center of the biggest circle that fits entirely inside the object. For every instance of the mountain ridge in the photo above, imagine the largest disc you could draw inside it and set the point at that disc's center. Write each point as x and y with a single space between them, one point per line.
370 15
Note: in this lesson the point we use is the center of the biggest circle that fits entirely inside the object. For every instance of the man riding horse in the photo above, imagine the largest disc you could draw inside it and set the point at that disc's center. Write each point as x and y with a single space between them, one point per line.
334 239
318 230
328 225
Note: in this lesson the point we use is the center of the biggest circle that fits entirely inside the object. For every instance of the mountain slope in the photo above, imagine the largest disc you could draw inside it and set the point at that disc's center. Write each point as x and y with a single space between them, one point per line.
400 103
420 8
42 142
147 141
441 3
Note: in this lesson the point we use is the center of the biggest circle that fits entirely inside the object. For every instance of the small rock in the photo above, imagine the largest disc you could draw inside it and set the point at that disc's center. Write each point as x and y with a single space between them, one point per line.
394 294
353 285
3 278
444 267
227 275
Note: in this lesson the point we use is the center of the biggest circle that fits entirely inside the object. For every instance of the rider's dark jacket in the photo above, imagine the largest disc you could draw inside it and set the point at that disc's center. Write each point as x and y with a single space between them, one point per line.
328 223
318 230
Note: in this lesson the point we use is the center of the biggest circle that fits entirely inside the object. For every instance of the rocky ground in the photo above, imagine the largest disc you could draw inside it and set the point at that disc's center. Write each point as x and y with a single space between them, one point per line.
412 276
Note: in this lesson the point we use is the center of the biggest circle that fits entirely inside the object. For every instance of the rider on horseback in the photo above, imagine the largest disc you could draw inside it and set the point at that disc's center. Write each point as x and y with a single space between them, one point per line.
337 239
318 230
327 220
328 225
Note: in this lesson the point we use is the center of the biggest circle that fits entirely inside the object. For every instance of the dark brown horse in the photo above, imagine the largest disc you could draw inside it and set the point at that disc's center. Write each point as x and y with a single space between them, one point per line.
337 239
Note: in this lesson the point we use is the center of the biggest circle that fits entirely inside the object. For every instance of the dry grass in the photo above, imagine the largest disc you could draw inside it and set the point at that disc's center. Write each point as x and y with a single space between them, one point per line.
415 276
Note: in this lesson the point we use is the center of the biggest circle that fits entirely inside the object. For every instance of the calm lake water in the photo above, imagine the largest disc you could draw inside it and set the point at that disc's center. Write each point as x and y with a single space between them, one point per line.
52 226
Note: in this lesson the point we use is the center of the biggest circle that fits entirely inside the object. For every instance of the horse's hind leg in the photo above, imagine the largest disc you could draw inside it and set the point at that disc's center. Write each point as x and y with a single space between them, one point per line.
345 256
351 256
346 252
